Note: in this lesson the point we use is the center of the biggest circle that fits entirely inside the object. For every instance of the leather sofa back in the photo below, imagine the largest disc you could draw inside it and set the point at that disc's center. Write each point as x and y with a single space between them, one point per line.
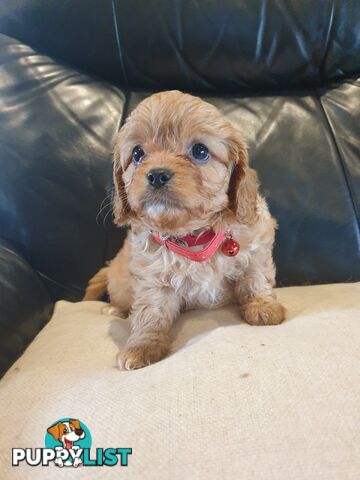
80 33
207 45
236 45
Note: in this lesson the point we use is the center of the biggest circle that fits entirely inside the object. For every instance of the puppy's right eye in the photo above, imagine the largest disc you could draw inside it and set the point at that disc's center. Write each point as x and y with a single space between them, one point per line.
137 154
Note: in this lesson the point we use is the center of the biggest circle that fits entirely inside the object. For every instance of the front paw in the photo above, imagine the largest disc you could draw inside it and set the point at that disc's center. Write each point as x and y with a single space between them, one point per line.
263 311
139 356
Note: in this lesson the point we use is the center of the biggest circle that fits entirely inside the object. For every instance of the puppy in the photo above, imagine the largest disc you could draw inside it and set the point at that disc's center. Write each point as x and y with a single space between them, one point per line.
201 235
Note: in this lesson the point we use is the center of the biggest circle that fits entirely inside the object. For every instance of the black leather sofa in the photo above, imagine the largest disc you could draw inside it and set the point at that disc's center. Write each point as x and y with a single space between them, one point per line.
287 73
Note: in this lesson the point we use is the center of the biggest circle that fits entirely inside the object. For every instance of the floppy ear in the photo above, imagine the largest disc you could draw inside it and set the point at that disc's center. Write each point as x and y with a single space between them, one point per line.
121 206
75 423
243 184
55 430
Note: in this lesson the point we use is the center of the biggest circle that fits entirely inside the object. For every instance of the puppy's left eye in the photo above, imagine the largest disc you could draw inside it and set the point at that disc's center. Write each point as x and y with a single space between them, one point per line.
199 152
137 154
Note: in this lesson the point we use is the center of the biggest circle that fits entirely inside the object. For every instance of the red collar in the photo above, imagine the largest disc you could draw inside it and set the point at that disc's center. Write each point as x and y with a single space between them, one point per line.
180 245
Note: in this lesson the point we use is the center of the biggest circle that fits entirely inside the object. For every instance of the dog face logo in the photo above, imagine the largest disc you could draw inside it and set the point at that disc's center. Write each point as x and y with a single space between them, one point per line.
67 432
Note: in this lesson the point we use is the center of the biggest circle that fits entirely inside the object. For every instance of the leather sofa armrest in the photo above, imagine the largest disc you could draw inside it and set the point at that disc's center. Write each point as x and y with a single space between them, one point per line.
25 305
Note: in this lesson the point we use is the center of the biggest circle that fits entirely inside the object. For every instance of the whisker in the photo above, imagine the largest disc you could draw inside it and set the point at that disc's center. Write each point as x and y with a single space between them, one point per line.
109 211
104 213
103 207
105 204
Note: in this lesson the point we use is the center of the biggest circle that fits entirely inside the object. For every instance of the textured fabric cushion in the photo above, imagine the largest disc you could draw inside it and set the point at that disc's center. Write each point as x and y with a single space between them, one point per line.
231 401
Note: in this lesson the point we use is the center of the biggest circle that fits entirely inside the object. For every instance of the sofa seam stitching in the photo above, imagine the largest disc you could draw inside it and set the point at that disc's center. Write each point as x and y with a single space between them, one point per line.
117 36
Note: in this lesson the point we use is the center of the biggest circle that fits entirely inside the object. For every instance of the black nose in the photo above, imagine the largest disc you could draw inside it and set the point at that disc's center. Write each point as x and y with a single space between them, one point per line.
159 177
79 432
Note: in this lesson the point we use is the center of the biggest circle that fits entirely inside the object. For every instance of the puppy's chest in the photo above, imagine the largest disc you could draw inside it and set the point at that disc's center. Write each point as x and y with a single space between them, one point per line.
200 284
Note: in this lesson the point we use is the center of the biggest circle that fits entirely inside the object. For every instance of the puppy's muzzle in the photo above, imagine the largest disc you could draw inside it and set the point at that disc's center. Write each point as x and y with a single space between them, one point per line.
159 177
79 432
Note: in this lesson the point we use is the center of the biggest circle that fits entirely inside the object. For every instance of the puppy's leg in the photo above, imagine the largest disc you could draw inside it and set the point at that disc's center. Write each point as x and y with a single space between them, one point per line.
118 283
254 292
97 285
151 318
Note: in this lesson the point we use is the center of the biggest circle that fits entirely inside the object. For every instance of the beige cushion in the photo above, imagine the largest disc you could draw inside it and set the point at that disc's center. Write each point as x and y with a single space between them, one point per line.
231 402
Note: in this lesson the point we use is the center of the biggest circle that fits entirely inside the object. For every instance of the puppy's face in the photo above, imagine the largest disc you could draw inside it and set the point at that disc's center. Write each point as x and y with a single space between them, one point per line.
180 166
